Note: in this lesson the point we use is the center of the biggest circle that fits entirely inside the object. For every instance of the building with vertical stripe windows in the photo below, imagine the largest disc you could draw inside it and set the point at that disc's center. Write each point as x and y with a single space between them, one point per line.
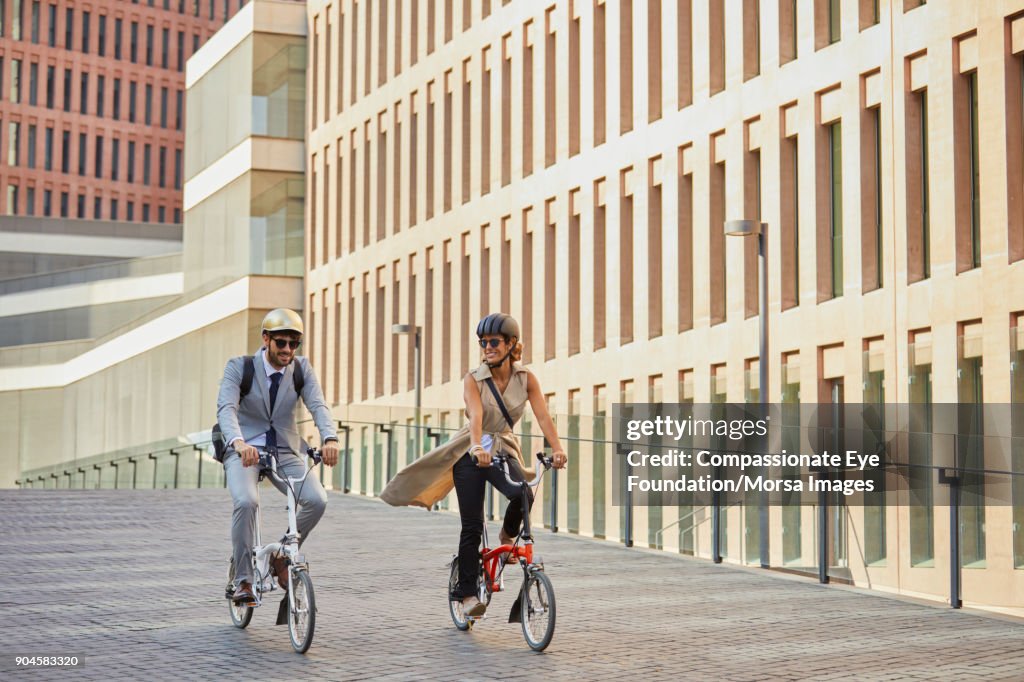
572 163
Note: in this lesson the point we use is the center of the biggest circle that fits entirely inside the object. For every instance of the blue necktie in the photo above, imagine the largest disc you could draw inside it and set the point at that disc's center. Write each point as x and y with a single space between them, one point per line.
275 382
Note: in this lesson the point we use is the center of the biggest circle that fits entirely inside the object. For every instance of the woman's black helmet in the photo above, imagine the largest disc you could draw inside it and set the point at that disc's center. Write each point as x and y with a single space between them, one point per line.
498 323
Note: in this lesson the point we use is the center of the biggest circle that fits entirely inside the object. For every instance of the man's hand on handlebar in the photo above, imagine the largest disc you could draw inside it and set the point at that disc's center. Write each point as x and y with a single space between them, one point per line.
249 454
329 452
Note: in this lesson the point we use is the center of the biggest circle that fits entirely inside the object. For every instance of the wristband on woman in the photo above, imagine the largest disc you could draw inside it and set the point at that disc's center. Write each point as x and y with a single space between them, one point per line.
476 447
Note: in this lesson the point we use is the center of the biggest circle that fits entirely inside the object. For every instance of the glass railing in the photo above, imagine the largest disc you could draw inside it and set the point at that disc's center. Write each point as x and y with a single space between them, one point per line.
929 483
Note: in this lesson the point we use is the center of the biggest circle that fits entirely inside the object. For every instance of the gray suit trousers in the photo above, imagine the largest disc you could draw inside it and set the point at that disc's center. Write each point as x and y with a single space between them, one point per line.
242 484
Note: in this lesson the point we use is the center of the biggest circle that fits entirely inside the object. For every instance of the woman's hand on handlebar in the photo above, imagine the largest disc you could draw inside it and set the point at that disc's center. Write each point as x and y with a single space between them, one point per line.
558 460
480 455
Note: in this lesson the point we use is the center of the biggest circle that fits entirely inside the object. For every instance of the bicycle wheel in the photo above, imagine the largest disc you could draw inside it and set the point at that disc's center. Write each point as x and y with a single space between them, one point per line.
537 610
241 614
301 610
455 605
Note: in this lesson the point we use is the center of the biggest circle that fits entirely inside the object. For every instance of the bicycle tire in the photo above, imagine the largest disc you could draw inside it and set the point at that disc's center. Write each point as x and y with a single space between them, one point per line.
241 614
455 605
301 610
537 610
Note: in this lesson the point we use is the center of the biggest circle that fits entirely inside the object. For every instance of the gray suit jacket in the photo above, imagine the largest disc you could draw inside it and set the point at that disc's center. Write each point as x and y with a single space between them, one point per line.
252 416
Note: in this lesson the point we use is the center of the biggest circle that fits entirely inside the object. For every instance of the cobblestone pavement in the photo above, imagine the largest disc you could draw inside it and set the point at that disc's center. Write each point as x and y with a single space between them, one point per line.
133 581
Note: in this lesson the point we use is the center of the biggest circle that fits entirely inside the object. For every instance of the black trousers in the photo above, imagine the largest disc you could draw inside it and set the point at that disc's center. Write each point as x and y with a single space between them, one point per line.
470 481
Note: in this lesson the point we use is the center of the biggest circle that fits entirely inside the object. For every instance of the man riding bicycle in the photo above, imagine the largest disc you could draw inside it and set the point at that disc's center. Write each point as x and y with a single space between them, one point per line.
263 419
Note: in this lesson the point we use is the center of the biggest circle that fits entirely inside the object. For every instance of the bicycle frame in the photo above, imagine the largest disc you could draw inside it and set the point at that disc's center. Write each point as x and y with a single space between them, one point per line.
263 580
492 562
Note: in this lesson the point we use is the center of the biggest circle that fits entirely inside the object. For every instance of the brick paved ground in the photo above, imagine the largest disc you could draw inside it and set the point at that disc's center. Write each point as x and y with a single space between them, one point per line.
133 580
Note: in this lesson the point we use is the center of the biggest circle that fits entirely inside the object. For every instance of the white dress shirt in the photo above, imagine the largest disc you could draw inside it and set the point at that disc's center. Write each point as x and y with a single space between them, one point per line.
261 440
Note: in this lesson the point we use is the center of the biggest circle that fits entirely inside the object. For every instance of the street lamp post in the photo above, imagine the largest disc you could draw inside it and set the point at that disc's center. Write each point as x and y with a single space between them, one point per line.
417 371
744 228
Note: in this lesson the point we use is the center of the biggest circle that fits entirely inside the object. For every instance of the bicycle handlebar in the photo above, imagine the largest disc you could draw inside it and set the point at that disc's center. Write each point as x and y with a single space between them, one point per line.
500 461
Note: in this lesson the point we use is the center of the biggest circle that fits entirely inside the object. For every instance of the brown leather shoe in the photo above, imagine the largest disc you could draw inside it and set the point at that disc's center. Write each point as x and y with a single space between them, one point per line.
279 564
244 594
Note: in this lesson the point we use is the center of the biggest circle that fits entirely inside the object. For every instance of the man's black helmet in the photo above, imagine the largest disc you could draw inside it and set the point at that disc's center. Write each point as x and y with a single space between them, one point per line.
498 323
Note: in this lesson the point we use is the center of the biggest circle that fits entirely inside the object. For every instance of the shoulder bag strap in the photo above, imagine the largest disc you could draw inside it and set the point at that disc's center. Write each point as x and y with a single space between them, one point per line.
501 403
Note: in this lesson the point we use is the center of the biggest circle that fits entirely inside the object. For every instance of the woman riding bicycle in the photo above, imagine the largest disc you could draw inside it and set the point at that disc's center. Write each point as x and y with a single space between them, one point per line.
465 461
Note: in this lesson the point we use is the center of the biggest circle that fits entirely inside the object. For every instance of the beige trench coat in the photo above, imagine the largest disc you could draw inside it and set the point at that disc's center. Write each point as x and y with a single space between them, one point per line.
429 478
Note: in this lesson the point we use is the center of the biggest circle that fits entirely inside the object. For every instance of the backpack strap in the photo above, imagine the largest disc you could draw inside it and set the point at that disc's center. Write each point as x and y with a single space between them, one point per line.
298 378
501 403
248 371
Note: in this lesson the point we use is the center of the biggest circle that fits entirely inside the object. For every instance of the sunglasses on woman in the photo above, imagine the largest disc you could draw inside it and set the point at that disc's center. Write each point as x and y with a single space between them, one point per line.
493 343
287 343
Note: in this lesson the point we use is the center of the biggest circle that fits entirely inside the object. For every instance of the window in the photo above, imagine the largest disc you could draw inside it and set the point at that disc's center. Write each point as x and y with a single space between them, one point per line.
147 158
98 158
15 94
149 45
751 39
145 213
69 26
64 199
101 38
33 84
97 208
131 164
162 167
118 33
85 31
35 32
975 170
81 206
148 105
101 82
82 147
65 152
117 100
12 200
13 143
871 199
181 51
132 97
115 159
178 108
163 107
47 202
51 77
919 200
83 92
131 211
970 396
31 151
835 151
67 89
133 43
51 27
177 216
788 31
165 35
114 209
716 45
48 149
834 21
16 20
177 170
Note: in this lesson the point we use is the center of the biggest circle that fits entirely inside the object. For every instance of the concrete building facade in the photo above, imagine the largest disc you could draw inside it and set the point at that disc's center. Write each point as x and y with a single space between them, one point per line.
126 401
572 163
